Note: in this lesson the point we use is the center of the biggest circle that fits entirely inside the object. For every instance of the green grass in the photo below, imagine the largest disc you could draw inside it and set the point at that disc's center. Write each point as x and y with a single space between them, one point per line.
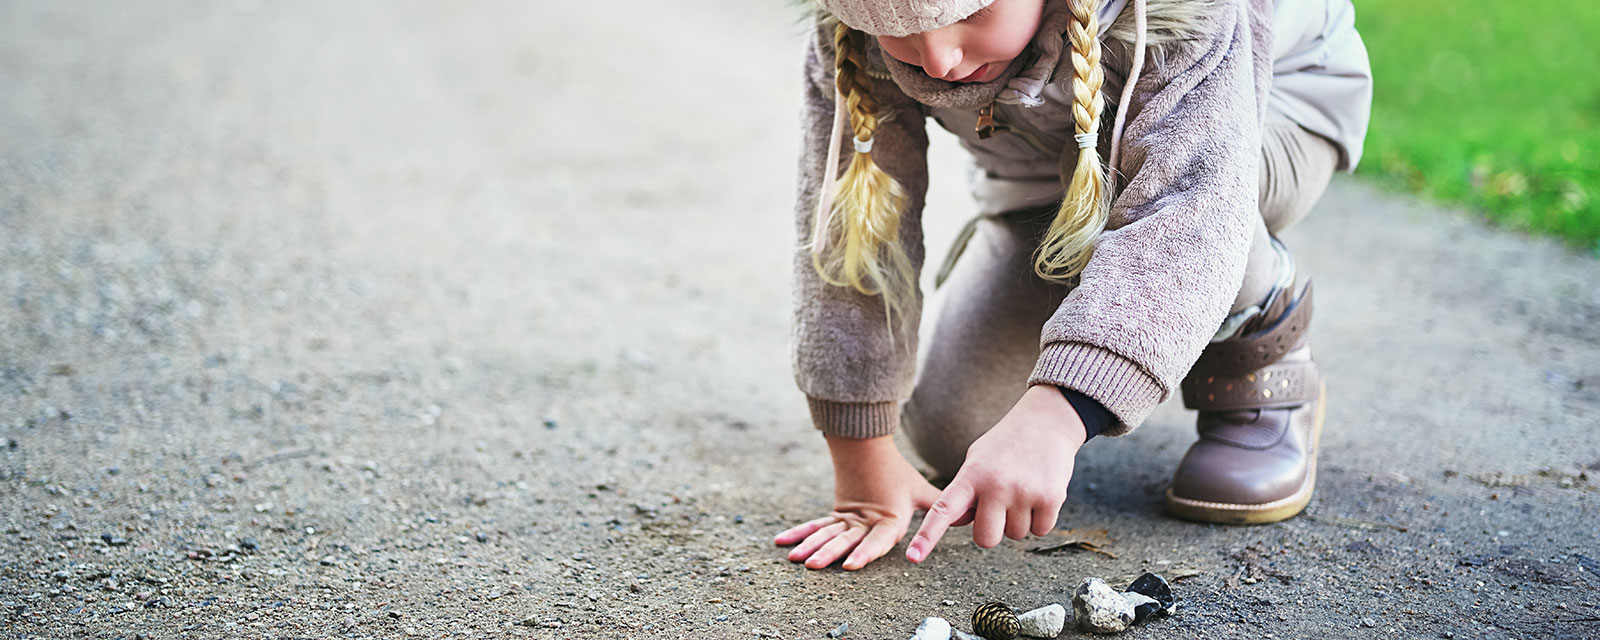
1495 105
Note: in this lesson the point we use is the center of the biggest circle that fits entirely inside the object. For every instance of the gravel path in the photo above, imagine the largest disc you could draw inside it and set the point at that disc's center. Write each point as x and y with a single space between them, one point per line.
448 320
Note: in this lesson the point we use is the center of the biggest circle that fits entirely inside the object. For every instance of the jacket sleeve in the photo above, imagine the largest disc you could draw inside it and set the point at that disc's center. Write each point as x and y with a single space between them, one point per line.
1173 256
854 374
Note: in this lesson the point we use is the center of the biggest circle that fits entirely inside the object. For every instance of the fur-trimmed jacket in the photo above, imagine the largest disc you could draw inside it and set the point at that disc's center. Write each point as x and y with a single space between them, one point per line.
1173 254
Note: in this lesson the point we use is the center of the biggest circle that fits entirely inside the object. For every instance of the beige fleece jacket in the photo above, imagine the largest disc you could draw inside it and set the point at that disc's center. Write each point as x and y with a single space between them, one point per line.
1173 254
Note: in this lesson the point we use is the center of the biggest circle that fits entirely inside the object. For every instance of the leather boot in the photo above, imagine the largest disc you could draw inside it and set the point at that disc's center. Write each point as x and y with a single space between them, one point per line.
1260 401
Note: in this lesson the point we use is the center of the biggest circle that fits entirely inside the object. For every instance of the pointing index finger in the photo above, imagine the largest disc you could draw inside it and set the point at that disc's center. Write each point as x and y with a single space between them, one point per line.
949 508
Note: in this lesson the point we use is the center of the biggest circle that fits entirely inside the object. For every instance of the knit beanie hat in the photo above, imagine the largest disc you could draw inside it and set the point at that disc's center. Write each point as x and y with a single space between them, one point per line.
900 18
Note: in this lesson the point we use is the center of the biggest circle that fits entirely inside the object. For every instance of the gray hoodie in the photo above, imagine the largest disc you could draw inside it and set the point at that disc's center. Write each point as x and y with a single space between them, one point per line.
1173 254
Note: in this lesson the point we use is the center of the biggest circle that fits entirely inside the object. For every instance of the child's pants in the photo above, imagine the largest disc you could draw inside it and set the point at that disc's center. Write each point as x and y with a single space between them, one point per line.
983 338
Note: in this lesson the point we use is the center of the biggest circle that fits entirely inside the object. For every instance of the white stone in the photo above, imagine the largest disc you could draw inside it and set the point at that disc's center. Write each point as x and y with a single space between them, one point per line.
933 629
958 634
1098 608
1044 622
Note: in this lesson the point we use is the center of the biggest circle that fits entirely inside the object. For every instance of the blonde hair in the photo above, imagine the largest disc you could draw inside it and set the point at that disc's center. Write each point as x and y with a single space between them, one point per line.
1068 244
857 241
858 236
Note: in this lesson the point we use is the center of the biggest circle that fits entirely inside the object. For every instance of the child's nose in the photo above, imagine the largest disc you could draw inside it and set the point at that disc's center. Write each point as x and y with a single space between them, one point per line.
940 61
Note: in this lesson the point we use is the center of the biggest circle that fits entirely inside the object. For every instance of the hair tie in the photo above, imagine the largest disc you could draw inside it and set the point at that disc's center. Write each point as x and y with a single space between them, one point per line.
863 146
1087 140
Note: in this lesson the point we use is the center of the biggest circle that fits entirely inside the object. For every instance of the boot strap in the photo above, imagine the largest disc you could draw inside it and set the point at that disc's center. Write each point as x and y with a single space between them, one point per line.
1285 384
1259 348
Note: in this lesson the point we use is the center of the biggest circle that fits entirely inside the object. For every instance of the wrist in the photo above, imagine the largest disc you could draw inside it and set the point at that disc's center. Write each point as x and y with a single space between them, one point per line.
857 460
862 450
1048 399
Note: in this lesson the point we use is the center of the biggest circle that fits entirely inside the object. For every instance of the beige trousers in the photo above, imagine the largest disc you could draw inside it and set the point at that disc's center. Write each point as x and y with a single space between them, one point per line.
982 339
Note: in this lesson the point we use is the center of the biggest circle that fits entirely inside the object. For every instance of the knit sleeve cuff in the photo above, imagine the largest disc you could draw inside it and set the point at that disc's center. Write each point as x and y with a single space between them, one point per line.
856 420
1117 383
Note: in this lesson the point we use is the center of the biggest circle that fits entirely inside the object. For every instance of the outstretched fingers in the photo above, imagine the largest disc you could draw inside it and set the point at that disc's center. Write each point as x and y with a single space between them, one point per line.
950 508
878 542
816 540
799 532
837 547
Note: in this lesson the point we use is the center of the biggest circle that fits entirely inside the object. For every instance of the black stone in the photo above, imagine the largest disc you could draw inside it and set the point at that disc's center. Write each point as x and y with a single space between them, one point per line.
1157 589
249 544
1144 611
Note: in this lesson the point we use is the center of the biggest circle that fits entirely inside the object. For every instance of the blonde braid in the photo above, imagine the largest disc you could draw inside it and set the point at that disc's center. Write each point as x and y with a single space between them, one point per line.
1068 244
861 247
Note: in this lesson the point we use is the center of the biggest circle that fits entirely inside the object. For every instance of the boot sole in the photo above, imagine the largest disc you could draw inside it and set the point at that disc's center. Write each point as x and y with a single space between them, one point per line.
1277 510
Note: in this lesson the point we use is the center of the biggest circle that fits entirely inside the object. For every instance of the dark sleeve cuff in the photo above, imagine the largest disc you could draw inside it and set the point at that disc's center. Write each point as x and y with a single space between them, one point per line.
1096 418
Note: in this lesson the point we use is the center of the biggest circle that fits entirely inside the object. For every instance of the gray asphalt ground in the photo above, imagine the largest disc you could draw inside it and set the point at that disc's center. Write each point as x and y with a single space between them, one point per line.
470 320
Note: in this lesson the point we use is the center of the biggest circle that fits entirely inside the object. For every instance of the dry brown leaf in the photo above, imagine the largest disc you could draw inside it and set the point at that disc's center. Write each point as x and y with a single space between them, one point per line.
1076 540
1179 574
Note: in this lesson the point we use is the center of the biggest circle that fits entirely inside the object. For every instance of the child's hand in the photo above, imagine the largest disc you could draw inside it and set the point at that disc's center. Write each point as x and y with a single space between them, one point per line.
1015 477
875 494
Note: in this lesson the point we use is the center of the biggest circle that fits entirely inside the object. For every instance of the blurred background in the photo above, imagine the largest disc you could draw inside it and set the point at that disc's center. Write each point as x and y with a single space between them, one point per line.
1491 106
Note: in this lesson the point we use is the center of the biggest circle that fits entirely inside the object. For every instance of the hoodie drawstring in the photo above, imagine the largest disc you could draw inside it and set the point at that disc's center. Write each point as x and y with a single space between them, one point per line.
830 176
1127 89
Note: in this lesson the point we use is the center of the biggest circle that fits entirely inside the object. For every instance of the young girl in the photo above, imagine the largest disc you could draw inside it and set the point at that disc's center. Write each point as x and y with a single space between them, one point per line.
1132 161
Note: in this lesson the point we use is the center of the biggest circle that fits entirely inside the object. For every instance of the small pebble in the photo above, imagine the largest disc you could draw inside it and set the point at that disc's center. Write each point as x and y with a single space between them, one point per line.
839 631
932 629
483 537
1100 609
248 544
1044 622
